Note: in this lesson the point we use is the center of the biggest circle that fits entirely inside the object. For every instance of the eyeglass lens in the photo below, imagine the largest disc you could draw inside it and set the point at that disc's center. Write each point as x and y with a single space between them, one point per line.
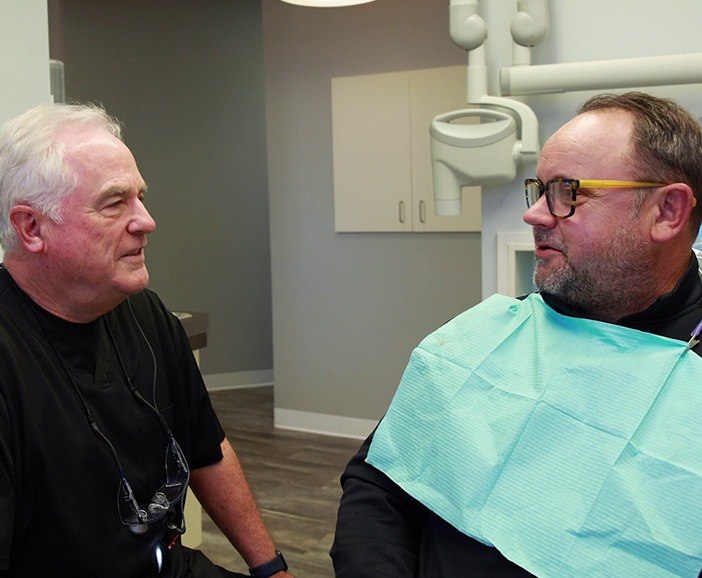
560 195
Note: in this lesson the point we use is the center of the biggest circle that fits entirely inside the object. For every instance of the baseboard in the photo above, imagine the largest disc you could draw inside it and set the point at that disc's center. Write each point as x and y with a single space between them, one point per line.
238 379
322 423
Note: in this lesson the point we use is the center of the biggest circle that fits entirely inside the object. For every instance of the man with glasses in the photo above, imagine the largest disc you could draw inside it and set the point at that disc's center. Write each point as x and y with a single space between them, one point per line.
104 417
558 435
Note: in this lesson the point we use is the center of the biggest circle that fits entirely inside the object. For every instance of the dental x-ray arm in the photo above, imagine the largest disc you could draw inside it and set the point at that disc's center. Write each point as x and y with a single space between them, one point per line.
486 152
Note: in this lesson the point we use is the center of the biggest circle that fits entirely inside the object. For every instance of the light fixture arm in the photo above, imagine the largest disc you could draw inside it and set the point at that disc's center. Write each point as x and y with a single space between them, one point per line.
466 27
505 132
469 31
530 26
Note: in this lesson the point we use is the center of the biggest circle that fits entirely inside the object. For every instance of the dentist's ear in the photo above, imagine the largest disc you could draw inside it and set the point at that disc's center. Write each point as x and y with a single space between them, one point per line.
26 221
672 207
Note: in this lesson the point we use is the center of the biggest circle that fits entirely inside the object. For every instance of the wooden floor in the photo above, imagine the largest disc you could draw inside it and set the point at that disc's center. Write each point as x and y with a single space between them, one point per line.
294 475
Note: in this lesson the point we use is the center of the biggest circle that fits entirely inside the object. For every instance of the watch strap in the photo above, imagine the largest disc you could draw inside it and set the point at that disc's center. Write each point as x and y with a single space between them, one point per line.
277 564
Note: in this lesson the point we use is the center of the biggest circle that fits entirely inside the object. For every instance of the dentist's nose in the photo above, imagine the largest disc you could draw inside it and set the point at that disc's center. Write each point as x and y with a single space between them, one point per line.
142 221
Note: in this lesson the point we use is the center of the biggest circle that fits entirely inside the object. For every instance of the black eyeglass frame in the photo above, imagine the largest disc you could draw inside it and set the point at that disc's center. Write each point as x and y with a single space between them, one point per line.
172 492
139 519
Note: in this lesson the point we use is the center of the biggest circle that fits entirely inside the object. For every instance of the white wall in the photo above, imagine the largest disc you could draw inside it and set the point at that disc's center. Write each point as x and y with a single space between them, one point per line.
24 57
582 31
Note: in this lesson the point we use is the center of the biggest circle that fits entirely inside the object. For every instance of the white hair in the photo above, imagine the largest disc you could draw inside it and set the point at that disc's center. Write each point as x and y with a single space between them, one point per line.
32 167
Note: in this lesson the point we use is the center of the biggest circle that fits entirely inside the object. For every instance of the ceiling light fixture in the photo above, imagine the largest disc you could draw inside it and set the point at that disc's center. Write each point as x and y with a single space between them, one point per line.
327 3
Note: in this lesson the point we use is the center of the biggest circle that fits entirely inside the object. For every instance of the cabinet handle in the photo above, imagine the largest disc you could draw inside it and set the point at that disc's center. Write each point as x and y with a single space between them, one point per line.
402 211
422 212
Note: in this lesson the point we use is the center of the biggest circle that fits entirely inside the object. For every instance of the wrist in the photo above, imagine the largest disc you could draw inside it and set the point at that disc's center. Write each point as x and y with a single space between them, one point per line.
269 568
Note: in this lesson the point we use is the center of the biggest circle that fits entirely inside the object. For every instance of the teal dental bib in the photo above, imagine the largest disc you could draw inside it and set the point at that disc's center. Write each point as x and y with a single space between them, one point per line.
573 446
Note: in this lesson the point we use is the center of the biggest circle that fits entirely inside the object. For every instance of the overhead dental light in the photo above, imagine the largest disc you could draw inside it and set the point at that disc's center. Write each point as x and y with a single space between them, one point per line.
327 3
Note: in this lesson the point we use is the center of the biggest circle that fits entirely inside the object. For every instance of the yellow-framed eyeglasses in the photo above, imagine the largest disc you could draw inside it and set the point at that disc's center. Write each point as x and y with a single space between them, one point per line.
561 193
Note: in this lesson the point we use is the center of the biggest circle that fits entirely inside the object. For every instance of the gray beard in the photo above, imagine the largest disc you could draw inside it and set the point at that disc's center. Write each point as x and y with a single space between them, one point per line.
615 280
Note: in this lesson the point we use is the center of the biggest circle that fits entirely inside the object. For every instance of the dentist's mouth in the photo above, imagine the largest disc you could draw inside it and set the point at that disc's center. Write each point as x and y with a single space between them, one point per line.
136 253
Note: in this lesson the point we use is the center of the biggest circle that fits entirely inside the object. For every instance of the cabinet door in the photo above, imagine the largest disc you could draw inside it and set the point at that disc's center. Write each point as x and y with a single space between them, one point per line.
371 135
432 92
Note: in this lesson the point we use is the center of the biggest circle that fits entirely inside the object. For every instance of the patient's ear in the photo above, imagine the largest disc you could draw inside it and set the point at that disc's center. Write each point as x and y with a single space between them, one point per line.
672 207
26 221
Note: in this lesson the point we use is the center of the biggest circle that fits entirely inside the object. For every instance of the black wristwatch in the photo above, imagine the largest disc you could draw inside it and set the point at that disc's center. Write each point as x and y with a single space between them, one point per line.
278 564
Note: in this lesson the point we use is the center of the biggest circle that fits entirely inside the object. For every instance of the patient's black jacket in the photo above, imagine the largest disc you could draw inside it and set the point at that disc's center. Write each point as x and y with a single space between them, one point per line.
382 532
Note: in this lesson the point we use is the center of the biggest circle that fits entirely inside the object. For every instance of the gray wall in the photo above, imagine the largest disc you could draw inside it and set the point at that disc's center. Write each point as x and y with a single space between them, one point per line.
186 78
348 308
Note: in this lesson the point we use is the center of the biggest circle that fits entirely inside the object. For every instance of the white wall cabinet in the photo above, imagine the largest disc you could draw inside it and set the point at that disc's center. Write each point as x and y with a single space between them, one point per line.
382 151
